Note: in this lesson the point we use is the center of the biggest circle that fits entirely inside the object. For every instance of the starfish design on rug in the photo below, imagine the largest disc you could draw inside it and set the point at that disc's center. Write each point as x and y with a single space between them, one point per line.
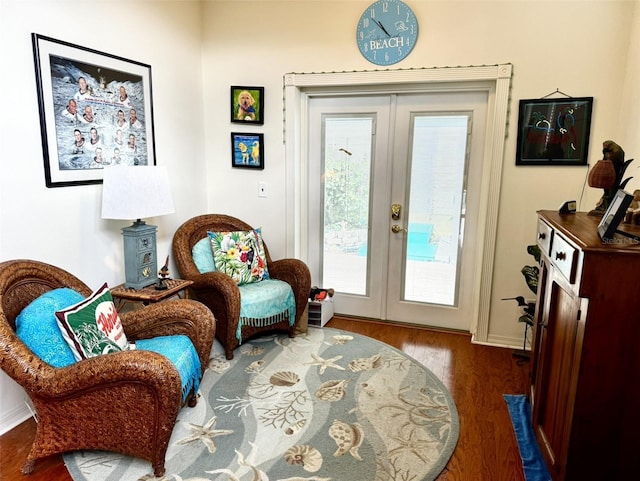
325 363
413 444
206 434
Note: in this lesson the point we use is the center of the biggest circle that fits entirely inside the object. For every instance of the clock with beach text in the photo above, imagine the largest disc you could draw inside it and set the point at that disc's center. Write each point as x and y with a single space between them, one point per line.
387 32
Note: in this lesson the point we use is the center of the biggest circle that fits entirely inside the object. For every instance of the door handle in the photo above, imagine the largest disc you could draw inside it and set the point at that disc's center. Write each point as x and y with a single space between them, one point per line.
395 228
396 209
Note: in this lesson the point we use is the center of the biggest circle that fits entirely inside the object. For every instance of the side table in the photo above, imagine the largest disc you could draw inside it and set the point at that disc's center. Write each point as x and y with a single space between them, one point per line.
149 295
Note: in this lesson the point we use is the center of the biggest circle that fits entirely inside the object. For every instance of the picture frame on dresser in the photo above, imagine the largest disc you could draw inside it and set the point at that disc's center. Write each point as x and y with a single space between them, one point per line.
95 109
611 219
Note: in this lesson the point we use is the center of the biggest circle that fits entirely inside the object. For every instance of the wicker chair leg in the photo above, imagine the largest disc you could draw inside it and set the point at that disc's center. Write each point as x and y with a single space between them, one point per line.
228 353
158 469
192 400
28 466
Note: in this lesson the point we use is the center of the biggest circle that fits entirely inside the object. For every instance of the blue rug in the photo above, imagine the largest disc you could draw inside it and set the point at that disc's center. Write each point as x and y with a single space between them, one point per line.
534 466
328 405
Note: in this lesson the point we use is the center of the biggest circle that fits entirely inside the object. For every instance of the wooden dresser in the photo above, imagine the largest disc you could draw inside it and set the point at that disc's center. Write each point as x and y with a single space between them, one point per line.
585 365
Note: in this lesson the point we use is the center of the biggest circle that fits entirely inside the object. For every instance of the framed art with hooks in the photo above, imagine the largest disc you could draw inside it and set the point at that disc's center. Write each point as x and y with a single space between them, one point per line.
554 131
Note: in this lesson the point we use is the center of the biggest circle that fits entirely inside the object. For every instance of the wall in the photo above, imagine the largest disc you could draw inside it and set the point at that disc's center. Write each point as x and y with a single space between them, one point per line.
62 226
629 122
197 50
578 47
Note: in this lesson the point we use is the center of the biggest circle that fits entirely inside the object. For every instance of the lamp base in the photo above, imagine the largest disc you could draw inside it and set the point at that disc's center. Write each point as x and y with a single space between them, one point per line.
140 261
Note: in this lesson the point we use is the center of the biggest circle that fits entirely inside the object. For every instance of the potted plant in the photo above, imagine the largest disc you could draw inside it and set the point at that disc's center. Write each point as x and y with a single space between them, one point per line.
531 274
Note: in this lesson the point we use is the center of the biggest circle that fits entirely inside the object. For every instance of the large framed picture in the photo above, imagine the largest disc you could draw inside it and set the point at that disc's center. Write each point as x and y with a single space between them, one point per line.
96 109
247 150
554 131
247 105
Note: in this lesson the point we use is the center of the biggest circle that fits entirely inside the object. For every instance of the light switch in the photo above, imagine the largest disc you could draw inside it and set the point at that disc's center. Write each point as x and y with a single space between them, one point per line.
262 189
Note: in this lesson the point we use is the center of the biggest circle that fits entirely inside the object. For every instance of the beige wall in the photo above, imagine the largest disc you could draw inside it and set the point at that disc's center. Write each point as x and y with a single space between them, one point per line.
62 226
578 47
198 49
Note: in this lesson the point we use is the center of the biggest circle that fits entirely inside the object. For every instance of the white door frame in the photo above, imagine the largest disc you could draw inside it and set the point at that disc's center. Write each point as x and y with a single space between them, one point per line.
496 79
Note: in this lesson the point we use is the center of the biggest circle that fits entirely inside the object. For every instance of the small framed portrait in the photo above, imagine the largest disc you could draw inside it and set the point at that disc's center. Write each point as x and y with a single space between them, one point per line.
247 105
247 150
554 131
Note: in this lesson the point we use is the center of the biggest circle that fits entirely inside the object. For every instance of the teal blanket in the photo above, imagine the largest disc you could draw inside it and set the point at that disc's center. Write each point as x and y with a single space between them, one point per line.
265 303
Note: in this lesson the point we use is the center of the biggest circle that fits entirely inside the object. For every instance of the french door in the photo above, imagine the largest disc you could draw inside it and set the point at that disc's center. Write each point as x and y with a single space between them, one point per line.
394 184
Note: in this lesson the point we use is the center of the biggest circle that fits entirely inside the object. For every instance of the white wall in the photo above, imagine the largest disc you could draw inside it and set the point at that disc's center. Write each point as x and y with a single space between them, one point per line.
62 226
197 50
578 47
629 121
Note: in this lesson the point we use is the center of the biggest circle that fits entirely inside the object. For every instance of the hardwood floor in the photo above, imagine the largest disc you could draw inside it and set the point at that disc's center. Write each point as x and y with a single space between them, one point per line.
477 377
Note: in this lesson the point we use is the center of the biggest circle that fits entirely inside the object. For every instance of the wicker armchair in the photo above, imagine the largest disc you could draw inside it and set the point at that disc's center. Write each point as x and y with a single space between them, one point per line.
125 402
220 293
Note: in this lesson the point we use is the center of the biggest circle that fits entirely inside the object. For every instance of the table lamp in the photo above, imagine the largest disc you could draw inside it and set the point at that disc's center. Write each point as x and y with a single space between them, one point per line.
134 192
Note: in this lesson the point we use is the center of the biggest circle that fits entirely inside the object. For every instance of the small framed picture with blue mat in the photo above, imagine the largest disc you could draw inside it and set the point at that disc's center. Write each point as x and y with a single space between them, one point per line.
247 151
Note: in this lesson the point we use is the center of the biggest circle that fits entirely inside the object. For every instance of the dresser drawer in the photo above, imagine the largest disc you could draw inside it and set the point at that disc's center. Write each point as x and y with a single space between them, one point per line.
544 235
565 257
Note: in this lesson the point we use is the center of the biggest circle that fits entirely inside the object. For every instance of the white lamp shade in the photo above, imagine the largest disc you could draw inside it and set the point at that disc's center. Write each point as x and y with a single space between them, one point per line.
136 192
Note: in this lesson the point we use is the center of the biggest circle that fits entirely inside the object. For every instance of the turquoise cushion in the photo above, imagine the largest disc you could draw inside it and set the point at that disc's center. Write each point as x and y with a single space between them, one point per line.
203 256
180 351
37 327
265 303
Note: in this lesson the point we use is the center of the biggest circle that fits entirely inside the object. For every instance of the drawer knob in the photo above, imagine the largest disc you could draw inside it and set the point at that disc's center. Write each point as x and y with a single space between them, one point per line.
560 256
542 236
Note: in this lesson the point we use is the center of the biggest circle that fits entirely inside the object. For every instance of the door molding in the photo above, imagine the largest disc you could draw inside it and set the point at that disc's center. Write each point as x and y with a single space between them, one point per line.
496 79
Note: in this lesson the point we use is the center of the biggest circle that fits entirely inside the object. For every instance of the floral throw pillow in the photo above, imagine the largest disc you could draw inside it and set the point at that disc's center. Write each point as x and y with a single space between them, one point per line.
92 327
240 255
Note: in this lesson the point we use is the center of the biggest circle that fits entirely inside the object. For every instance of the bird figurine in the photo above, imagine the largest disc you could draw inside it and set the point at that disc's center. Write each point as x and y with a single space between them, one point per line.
163 275
529 308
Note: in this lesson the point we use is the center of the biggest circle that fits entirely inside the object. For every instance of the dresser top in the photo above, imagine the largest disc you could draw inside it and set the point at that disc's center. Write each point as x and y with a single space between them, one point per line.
582 229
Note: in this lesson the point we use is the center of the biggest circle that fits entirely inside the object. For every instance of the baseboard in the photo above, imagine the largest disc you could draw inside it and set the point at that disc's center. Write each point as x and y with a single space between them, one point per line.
508 342
12 418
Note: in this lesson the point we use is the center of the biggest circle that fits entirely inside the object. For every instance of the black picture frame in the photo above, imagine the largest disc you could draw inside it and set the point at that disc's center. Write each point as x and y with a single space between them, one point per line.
247 150
247 105
611 219
77 143
554 131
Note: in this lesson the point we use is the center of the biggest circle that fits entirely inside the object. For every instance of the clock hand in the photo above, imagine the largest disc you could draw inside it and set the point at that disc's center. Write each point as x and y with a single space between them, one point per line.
382 27
385 30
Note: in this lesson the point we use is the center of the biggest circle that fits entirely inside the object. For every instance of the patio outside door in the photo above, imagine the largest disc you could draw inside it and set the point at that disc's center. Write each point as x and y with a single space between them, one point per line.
394 180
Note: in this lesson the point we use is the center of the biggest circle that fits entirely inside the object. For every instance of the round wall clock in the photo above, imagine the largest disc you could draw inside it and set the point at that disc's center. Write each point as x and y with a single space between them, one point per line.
387 32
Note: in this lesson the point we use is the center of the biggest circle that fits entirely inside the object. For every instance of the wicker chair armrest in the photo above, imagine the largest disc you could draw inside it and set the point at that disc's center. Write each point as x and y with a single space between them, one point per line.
222 285
169 318
178 316
295 273
137 367
215 280
291 271
219 293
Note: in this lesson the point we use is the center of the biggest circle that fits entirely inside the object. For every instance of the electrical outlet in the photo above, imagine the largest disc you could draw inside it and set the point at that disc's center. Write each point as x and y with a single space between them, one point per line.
262 189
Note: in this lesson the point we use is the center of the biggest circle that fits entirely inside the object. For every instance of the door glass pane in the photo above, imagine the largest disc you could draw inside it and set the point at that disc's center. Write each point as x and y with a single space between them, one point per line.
436 208
347 174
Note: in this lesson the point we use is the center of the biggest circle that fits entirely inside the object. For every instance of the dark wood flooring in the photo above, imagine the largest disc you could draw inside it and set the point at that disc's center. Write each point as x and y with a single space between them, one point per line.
477 377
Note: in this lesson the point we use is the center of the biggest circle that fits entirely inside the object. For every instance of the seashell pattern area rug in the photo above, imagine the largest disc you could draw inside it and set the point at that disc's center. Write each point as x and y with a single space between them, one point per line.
325 406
